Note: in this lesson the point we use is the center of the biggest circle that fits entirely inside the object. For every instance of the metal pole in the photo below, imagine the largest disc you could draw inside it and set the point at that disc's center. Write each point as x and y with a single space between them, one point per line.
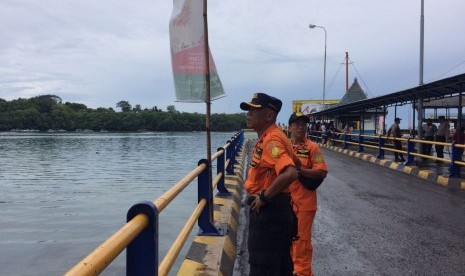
347 72
207 95
422 39
420 100
324 73
311 26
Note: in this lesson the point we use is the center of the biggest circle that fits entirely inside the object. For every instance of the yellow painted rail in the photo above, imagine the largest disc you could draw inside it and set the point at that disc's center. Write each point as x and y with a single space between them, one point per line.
383 143
105 253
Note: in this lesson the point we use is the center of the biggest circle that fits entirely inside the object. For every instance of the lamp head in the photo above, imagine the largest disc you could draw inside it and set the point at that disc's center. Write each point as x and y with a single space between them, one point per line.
311 26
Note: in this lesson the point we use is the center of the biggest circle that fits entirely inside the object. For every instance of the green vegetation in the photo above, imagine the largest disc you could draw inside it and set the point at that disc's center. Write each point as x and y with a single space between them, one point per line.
48 112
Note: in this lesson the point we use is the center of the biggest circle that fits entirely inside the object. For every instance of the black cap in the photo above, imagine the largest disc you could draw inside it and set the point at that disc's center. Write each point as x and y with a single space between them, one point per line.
397 119
260 100
296 116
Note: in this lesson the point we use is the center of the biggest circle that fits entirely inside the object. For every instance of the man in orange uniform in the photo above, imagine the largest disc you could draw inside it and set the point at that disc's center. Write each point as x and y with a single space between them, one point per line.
271 172
312 166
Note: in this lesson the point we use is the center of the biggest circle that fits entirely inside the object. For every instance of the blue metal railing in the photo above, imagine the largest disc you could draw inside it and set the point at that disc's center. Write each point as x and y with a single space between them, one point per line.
140 234
345 140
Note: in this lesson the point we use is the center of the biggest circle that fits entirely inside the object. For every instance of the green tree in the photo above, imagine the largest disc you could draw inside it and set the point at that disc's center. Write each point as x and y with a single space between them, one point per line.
137 108
171 109
124 105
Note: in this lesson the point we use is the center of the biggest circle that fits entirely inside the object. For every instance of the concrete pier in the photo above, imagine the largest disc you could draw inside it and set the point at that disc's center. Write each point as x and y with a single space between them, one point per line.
215 255
375 217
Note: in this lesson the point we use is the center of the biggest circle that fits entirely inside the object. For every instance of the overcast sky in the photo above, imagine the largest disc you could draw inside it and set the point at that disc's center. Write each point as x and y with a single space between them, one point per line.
101 52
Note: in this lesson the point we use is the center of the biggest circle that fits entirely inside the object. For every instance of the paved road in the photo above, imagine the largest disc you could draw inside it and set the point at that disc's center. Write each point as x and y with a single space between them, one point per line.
376 221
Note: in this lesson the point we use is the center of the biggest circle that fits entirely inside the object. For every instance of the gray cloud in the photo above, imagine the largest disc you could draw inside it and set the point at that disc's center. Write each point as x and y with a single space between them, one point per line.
101 52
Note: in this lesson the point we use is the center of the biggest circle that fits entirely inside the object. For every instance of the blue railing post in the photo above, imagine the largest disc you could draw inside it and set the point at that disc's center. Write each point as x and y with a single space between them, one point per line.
410 148
345 142
205 222
454 169
241 139
142 252
220 170
230 154
381 146
360 143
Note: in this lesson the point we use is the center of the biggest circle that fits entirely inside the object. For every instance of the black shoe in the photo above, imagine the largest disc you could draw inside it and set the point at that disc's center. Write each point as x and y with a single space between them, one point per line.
397 160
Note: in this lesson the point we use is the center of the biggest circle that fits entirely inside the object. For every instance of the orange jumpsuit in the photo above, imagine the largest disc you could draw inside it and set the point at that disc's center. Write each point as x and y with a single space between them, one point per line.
305 206
270 230
270 157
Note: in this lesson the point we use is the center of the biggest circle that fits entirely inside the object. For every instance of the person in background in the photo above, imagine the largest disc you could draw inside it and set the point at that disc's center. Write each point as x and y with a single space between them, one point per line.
459 138
312 165
348 128
395 131
429 130
442 135
272 170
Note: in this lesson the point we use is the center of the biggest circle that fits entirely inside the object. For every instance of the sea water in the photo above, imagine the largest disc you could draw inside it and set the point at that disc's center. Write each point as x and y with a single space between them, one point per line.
63 194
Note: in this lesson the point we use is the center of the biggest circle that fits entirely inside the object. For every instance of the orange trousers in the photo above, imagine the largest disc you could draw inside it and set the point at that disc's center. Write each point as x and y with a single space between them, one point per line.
302 249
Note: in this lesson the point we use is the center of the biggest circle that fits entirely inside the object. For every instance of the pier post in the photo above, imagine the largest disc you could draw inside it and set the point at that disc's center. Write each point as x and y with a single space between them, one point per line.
220 170
381 146
206 221
360 143
142 252
230 152
410 148
454 170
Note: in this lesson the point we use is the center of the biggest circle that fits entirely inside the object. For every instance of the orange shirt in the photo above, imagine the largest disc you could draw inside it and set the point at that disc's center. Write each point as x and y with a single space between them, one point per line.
271 155
312 158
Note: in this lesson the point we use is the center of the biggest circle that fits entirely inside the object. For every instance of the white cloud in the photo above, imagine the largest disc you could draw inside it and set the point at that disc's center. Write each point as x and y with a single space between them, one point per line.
101 52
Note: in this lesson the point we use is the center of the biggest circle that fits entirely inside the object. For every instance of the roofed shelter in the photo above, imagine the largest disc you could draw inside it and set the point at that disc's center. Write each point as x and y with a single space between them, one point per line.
365 120
432 93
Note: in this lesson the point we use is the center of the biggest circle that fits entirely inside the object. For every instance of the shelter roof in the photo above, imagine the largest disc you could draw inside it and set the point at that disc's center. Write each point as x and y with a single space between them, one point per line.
449 102
440 89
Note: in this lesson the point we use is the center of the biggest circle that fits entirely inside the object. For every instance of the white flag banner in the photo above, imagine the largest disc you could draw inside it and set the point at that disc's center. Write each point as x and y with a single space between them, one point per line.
187 43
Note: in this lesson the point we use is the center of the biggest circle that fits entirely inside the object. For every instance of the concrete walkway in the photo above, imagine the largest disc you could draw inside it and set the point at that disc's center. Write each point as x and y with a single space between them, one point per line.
382 219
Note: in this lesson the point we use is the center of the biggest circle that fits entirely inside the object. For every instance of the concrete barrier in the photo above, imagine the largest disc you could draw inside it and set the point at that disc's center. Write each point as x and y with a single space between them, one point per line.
215 255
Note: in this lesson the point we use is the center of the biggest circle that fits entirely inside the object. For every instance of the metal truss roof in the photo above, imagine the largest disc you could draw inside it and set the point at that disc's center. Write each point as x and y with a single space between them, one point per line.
444 88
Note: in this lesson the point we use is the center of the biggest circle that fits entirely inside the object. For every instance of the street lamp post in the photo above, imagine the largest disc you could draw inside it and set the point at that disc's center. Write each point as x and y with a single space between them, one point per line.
311 26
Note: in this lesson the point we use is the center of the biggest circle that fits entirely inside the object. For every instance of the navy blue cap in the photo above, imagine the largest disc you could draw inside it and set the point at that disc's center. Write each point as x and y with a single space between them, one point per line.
298 116
260 100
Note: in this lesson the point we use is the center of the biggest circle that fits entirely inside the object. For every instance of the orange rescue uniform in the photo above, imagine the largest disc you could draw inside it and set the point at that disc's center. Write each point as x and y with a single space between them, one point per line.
271 156
270 230
305 206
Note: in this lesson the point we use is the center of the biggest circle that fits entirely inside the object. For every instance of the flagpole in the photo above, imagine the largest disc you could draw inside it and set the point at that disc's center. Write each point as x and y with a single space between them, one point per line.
207 88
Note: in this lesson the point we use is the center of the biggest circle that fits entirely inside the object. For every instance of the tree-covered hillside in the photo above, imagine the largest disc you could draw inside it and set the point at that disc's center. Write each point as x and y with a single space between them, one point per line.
48 112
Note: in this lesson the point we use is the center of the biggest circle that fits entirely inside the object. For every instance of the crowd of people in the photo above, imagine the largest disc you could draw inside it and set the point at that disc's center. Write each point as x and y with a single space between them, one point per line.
431 133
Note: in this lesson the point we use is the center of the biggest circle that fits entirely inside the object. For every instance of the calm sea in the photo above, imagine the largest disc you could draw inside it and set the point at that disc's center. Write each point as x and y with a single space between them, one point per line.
63 194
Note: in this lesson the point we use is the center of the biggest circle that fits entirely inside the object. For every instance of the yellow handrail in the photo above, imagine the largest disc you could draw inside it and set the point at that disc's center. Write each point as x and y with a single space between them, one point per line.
104 254
401 151
169 195
170 257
